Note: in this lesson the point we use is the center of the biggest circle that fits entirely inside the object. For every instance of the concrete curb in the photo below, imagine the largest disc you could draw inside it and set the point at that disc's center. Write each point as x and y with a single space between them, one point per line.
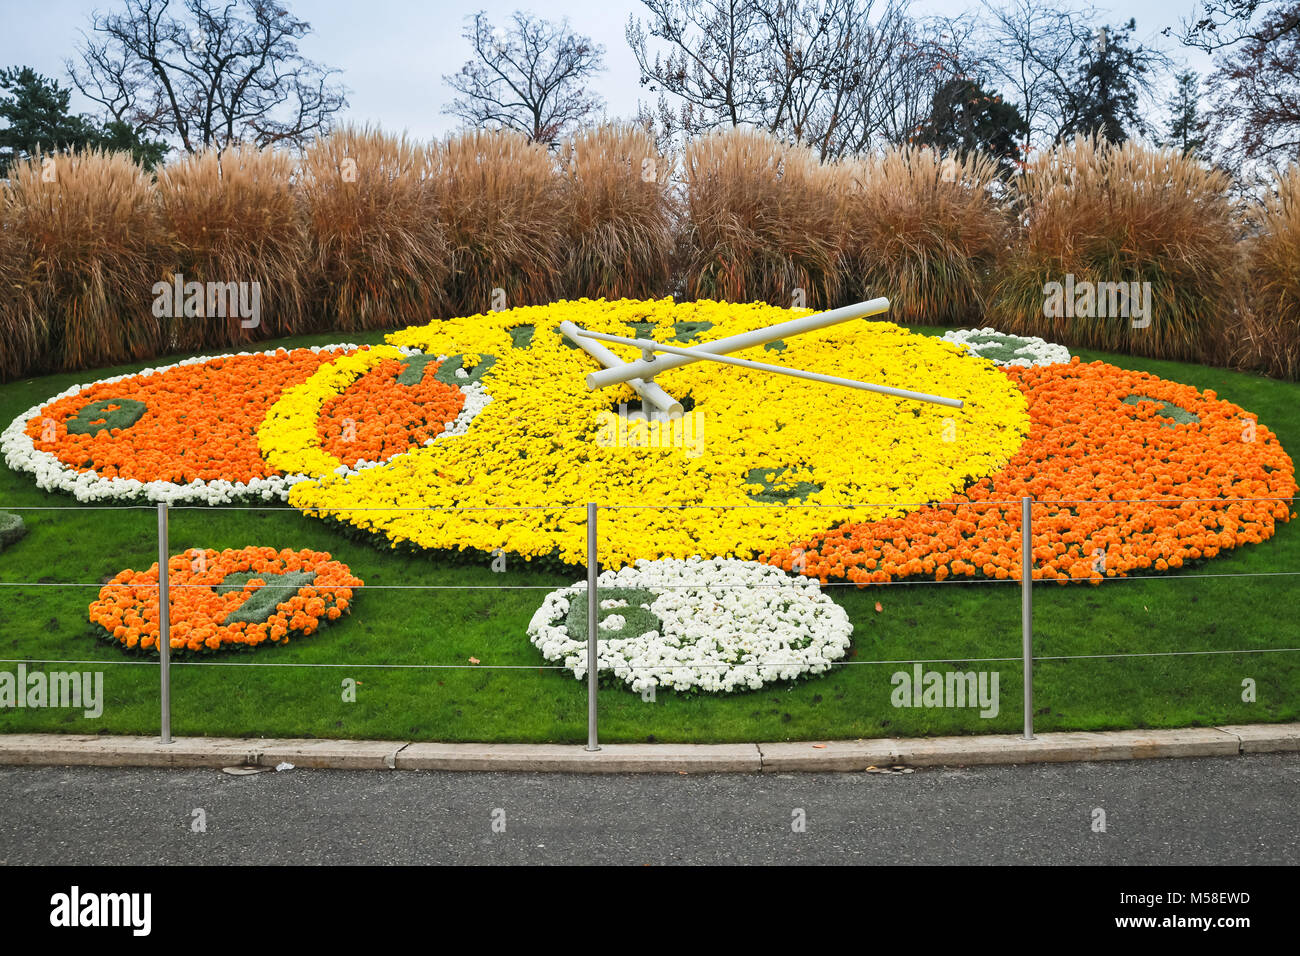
839 755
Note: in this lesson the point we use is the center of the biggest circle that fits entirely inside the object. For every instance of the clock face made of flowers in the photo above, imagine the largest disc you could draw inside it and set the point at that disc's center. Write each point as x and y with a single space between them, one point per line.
748 441
480 433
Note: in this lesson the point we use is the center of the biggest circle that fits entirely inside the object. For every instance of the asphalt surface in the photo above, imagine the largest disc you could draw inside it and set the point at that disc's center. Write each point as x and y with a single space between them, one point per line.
1188 811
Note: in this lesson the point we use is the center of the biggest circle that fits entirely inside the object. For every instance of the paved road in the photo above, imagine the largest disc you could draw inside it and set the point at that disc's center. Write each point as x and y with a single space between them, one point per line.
1192 811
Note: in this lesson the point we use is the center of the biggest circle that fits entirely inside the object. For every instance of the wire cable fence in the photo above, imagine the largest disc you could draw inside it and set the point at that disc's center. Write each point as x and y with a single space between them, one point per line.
1025 508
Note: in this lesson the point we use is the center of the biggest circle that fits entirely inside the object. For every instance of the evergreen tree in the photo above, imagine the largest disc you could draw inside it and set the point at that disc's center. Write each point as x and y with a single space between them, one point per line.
964 118
119 136
1111 73
1186 130
36 117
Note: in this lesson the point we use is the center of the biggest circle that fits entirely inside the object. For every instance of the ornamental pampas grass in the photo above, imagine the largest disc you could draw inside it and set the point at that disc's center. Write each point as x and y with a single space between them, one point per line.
925 230
1123 214
232 216
1272 326
502 208
763 220
618 215
378 254
83 250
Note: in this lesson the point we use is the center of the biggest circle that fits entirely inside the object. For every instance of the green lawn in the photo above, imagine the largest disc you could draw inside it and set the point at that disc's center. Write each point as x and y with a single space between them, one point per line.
521 701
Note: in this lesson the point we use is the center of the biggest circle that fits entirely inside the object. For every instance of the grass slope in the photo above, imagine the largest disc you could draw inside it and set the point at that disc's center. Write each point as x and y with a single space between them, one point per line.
526 702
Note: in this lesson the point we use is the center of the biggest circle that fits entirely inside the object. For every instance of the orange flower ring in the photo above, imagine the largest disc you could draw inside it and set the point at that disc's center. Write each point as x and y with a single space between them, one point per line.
1103 442
227 599
393 408
179 433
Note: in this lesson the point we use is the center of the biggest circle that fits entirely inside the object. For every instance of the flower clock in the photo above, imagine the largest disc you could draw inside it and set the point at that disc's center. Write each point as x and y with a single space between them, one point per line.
478 435
756 463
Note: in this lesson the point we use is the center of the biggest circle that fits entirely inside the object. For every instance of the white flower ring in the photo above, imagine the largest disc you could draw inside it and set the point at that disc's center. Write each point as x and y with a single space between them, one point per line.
1001 348
714 625
52 474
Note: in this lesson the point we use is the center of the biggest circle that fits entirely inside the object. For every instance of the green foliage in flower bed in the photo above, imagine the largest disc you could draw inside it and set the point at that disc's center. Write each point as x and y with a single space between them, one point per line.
636 619
261 604
105 415
447 370
775 490
998 348
1166 410
414 368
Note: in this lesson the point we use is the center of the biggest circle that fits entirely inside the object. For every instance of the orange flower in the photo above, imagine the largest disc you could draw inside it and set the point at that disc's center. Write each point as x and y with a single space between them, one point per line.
377 417
1092 462
127 609
200 421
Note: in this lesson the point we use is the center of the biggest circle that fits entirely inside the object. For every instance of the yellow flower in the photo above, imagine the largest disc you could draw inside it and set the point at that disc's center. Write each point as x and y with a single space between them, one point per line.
287 436
750 445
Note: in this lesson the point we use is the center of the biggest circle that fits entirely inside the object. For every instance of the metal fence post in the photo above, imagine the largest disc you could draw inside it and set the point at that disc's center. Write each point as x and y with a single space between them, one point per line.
1027 610
164 624
593 616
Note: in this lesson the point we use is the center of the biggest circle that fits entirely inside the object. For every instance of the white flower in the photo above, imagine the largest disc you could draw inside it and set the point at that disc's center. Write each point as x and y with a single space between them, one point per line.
1026 350
721 625
51 474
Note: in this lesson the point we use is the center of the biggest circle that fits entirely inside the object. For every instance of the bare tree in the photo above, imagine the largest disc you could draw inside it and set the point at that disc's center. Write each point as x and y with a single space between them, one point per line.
828 65
207 74
809 60
867 107
828 73
713 66
1218 25
532 77
1031 54
1255 90
842 76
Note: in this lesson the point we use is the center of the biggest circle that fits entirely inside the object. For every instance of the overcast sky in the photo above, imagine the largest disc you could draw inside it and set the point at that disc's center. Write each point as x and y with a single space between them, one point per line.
393 53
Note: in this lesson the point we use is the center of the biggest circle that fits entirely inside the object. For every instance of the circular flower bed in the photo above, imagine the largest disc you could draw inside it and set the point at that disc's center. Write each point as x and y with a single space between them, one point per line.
183 433
1003 349
720 625
1098 432
222 599
748 438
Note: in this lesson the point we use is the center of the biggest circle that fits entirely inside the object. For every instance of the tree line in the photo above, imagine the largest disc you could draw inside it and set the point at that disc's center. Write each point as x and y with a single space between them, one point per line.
844 77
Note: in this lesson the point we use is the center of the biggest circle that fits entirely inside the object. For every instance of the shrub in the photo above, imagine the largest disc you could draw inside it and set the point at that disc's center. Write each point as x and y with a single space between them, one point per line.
20 330
502 209
377 252
926 231
12 529
1272 326
618 215
84 251
762 220
232 216
1121 214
